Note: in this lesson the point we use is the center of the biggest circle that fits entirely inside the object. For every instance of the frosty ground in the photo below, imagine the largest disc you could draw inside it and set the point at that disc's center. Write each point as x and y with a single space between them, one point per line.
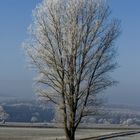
132 137
12 133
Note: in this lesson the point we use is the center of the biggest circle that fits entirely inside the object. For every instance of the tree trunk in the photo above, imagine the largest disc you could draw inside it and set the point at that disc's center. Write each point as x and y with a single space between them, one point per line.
70 135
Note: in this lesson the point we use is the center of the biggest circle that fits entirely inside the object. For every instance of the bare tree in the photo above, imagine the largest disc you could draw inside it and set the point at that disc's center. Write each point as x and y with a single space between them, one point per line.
71 46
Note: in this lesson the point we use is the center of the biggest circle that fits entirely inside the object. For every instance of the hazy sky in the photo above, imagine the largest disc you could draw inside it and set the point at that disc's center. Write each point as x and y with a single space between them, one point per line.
15 17
16 79
128 90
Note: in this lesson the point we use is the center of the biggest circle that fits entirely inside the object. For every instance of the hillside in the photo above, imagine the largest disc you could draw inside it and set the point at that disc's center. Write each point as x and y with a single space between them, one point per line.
26 111
33 111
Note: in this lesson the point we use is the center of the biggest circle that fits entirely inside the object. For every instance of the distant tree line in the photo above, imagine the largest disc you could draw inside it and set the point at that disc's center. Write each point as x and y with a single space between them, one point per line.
20 111
26 112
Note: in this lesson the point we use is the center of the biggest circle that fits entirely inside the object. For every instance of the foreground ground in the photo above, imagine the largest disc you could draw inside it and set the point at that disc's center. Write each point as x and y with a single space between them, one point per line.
11 133
132 137
15 133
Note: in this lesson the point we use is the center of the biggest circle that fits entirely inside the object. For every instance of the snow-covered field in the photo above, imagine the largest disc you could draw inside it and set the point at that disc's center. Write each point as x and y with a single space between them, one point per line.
132 137
11 133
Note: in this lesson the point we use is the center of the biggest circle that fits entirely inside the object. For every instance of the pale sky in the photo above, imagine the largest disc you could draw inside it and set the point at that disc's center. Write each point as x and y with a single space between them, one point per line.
16 78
